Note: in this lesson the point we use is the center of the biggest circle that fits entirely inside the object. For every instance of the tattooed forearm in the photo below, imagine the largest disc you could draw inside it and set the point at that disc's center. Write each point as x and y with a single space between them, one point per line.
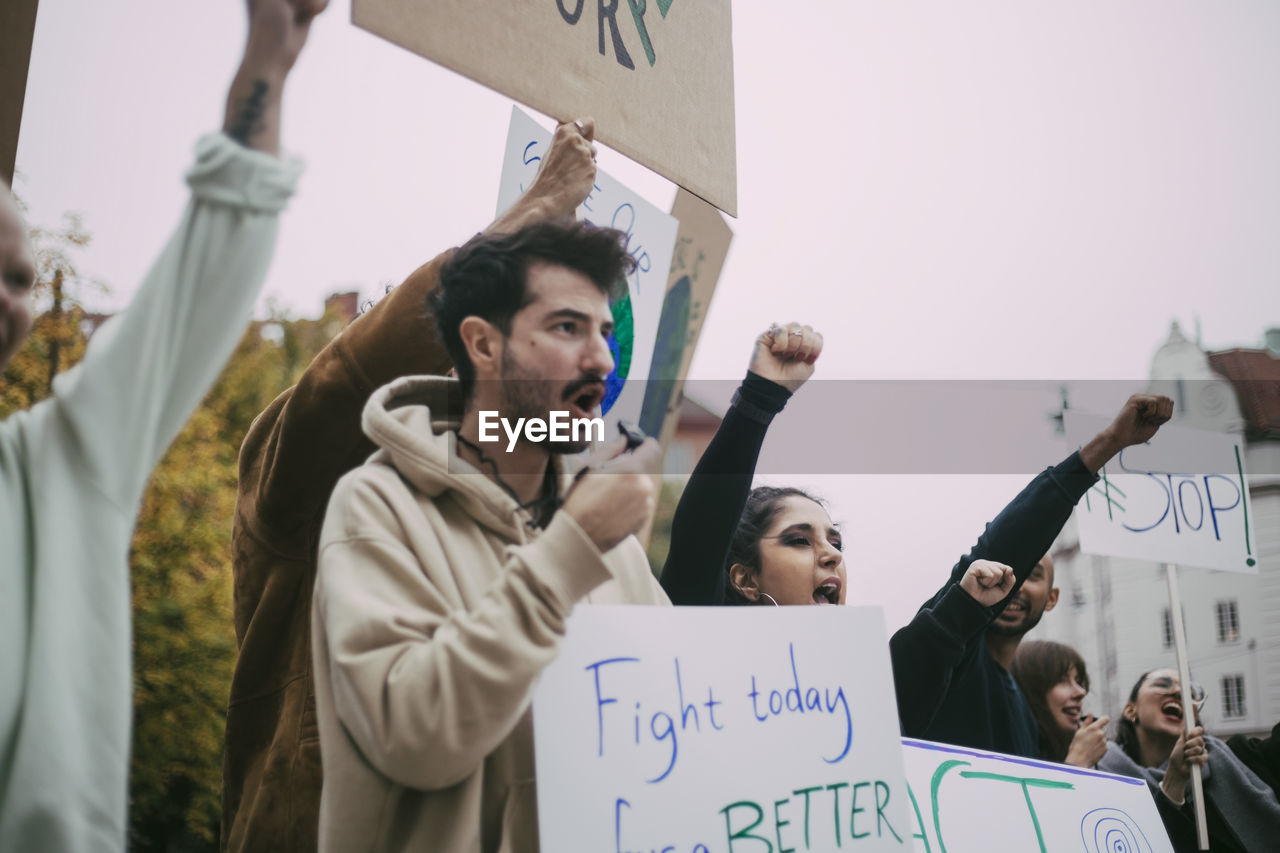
247 119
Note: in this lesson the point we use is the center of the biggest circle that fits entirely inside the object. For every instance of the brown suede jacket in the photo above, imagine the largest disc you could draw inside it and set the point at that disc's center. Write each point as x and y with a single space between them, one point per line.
294 454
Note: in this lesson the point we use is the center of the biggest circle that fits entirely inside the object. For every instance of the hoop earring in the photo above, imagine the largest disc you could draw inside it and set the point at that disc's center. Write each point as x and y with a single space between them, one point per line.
772 600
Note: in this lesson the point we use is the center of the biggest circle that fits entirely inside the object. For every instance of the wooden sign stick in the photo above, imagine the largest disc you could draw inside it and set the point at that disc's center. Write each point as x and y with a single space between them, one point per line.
1188 707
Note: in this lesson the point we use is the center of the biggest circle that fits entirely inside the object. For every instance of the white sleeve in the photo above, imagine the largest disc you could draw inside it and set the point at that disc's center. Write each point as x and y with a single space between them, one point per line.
147 368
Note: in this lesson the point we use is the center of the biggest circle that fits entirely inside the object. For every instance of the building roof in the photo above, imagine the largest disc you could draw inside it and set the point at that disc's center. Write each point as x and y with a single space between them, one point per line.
346 305
1255 376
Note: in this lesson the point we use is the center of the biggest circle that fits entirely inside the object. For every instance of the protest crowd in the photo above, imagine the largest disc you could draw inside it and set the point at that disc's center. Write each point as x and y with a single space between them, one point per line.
400 586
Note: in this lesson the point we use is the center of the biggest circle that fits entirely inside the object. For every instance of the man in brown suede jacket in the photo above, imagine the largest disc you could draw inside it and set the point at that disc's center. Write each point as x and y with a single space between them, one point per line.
294 454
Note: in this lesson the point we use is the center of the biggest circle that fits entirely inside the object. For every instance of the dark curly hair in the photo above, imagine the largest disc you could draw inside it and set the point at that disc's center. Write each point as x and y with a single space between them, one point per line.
763 505
1037 666
486 278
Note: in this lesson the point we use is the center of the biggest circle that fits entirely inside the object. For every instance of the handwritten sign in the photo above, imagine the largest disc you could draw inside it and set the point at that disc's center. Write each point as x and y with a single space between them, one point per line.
720 729
1181 498
657 77
964 800
651 236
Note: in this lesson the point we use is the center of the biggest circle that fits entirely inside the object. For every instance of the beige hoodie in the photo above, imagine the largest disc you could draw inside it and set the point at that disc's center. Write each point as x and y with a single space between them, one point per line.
437 604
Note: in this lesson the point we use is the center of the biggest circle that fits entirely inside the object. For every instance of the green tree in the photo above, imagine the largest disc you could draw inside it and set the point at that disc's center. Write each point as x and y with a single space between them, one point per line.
184 640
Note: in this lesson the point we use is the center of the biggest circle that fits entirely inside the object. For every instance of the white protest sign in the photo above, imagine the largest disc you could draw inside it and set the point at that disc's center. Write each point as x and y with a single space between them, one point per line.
651 238
657 77
1182 498
966 801
720 729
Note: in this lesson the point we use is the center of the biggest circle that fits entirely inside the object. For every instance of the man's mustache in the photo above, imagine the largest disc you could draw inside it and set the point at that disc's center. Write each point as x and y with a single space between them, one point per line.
581 383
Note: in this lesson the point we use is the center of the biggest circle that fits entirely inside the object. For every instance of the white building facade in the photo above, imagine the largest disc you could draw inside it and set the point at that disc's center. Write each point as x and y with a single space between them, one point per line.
1115 611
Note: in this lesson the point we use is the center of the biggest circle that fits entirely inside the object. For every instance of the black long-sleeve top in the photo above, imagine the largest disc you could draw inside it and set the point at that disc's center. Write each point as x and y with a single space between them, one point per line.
716 495
949 687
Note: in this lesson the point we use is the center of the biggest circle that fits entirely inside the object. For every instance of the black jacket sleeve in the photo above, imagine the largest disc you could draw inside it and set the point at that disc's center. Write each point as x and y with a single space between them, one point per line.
1025 529
940 644
716 494
1262 756
1180 823
926 652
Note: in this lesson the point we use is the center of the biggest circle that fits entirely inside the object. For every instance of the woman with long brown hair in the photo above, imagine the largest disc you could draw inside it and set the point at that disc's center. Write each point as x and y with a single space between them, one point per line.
1055 681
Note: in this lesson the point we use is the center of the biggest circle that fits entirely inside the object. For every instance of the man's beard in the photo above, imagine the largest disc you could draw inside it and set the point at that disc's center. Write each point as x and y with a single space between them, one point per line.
1029 621
523 396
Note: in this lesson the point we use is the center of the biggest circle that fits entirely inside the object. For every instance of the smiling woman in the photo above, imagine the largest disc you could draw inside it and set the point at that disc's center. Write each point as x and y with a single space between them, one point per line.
1151 743
1055 681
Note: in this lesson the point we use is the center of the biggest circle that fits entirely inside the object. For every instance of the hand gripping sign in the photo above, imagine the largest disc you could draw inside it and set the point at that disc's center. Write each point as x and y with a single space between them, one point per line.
651 237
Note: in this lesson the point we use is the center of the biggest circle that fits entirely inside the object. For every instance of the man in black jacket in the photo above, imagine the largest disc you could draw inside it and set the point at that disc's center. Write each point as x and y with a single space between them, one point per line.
951 664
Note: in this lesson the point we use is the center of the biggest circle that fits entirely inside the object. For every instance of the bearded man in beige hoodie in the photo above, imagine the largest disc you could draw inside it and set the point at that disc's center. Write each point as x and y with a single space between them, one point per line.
449 565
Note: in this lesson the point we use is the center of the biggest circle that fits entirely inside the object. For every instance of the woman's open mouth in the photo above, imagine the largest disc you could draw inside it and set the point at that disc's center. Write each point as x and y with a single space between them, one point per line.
828 592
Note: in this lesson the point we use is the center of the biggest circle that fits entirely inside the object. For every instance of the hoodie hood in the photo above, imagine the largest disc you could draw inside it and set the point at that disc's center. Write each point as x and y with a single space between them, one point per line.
414 422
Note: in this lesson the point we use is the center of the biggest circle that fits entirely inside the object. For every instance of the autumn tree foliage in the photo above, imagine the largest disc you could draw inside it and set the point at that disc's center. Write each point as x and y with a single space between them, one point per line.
57 338
184 640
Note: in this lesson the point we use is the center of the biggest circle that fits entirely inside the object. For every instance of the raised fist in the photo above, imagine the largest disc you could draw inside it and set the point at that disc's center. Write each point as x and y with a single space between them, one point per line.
987 582
786 354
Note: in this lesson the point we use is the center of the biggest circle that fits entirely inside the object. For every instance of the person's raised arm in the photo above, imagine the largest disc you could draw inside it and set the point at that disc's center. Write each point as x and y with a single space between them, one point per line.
307 439
564 180
278 30
1139 419
1025 529
716 494
148 367
926 652
1018 537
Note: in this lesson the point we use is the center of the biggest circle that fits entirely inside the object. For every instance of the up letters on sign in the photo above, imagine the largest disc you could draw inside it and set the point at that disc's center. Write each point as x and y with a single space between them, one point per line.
720 729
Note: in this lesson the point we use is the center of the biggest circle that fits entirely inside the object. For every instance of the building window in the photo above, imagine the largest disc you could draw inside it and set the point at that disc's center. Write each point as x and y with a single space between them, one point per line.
1166 628
1228 622
1233 697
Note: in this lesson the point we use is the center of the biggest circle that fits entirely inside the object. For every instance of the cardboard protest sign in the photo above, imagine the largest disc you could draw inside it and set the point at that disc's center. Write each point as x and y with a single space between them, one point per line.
17 30
712 729
657 77
1181 498
651 237
702 244
964 800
